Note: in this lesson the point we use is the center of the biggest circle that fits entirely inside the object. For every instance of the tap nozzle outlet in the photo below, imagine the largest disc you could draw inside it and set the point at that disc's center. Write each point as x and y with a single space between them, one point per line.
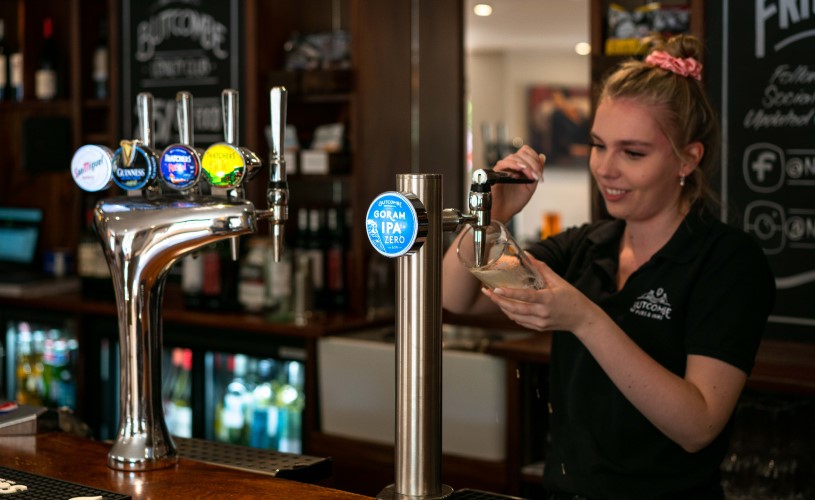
277 192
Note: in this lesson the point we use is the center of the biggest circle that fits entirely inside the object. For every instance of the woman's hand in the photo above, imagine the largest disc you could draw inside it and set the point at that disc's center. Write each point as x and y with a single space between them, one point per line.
509 199
559 306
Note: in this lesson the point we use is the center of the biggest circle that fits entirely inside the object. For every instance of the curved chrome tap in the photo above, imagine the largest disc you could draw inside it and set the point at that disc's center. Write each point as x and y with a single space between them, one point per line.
142 238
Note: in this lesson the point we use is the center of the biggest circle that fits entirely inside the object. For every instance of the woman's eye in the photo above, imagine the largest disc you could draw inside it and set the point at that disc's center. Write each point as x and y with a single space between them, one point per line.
634 154
596 145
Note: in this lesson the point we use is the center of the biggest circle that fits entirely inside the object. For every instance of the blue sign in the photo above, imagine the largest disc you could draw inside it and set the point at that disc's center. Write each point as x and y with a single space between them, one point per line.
392 224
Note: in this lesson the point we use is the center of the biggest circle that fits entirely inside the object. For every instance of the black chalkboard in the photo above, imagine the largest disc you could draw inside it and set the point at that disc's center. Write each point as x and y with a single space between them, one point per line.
768 182
169 46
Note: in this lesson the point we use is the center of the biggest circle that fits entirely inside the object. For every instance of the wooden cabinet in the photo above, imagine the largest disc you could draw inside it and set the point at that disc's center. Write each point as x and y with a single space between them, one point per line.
51 130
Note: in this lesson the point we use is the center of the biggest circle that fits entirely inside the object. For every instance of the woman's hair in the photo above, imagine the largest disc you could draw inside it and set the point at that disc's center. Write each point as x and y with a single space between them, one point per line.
686 113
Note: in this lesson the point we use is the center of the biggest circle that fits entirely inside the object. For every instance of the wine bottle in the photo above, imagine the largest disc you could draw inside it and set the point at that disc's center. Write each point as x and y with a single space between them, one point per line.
15 70
100 63
46 78
3 62
335 260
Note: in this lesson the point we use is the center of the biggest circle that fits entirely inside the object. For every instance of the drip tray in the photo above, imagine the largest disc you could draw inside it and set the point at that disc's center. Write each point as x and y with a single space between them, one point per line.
47 488
469 494
301 468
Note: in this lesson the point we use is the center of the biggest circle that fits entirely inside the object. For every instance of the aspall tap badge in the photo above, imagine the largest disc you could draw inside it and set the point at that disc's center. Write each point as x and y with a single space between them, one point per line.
92 167
223 165
180 167
392 224
135 166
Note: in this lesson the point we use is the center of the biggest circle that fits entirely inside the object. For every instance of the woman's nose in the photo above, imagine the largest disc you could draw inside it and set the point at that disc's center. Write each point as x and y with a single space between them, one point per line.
601 163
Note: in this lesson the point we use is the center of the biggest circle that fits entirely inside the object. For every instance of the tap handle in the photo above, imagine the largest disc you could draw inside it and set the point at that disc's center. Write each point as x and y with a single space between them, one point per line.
277 104
229 107
183 101
144 107
484 178
277 193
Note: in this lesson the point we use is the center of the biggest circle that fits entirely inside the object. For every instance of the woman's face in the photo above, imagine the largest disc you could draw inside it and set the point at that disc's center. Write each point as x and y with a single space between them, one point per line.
633 162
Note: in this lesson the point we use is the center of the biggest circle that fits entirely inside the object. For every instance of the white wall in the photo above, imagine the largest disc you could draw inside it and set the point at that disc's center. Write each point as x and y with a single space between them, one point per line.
497 86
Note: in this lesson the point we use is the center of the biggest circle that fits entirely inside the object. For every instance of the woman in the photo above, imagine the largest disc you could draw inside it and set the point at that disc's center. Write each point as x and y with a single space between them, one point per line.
658 313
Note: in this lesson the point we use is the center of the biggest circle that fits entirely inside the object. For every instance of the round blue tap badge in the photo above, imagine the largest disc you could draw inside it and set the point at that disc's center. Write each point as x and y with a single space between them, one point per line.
392 224
180 167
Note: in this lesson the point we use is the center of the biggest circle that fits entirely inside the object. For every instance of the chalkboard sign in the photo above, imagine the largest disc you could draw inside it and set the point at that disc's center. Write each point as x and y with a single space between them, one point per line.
169 46
768 99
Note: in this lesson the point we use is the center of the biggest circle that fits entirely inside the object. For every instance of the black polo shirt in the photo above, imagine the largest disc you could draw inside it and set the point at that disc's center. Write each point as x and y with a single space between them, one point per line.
708 292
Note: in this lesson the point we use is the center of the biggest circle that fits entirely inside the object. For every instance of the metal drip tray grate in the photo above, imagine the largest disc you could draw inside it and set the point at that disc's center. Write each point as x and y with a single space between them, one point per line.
468 494
285 465
47 488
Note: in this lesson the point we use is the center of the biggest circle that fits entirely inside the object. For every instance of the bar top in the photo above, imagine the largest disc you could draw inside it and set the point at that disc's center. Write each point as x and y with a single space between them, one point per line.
62 456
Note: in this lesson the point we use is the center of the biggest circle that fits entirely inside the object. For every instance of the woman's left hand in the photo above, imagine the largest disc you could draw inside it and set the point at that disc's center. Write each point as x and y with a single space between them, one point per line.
559 306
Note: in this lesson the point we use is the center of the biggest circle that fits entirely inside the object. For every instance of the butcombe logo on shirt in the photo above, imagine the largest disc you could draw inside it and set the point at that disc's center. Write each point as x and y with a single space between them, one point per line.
653 305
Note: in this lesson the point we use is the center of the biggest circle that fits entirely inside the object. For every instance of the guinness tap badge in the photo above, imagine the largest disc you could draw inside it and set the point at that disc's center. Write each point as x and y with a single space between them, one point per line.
135 165
128 151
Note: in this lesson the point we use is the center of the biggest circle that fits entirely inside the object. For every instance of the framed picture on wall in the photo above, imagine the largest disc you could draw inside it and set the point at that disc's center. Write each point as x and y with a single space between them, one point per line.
558 122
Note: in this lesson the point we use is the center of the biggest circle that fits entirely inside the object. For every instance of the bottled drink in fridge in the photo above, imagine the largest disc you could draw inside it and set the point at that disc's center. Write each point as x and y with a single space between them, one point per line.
290 401
233 416
263 427
30 384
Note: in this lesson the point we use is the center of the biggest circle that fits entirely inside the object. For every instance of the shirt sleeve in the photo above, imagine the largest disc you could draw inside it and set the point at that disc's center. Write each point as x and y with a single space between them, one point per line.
731 302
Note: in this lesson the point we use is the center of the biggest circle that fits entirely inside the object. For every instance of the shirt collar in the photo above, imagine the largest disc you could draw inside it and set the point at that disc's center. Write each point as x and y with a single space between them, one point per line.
683 245
687 240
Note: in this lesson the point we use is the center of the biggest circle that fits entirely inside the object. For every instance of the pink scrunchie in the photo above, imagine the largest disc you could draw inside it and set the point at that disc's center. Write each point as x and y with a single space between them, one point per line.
684 66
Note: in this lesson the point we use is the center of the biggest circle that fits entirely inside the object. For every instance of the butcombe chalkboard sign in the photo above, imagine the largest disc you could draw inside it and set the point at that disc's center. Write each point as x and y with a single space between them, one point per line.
169 46
768 182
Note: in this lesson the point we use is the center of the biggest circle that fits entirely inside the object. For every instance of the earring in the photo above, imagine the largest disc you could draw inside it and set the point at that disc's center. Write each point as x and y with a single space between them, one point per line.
682 181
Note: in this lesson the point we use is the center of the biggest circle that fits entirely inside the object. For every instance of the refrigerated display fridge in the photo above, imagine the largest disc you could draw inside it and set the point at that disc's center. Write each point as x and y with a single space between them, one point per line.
40 361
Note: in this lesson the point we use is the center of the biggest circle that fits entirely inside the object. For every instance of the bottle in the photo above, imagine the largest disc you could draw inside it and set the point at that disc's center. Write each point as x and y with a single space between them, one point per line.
100 63
28 376
316 252
46 78
263 432
180 395
233 420
15 74
278 282
290 401
3 62
252 285
92 267
336 260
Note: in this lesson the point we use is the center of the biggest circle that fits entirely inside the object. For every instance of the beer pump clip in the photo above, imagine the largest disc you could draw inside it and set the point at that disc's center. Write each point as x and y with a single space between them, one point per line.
180 163
135 162
226 165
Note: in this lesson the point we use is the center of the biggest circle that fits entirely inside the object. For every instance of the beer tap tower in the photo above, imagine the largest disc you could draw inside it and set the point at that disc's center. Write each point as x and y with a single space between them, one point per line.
143 235
408 224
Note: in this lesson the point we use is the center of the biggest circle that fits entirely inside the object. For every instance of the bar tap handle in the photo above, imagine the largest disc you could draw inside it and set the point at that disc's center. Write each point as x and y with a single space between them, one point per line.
183 110
180 164
226 165
480 202
135 162
277 192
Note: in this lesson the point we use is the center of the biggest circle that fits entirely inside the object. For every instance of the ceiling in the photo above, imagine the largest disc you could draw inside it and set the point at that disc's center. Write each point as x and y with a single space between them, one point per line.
527 25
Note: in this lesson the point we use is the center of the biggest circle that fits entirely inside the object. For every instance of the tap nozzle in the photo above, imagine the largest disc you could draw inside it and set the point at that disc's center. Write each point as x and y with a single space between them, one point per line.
277 192
480 201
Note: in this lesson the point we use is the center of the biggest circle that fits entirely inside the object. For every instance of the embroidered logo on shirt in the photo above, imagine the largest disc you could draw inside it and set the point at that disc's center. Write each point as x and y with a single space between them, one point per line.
653 305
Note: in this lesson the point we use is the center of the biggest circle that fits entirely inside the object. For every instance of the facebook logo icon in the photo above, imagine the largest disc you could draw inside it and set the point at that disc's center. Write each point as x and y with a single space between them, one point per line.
763 167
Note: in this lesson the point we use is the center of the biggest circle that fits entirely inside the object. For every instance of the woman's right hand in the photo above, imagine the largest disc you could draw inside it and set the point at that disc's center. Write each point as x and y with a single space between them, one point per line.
509 199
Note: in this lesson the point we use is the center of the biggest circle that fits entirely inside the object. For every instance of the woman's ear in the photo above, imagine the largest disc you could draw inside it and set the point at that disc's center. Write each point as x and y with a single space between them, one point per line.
693 154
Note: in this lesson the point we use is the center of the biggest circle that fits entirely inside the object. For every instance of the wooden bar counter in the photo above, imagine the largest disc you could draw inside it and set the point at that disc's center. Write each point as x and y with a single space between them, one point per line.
62 456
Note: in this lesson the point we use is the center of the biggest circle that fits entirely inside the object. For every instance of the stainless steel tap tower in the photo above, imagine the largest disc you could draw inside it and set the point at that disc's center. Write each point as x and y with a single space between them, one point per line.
408 224
143 236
